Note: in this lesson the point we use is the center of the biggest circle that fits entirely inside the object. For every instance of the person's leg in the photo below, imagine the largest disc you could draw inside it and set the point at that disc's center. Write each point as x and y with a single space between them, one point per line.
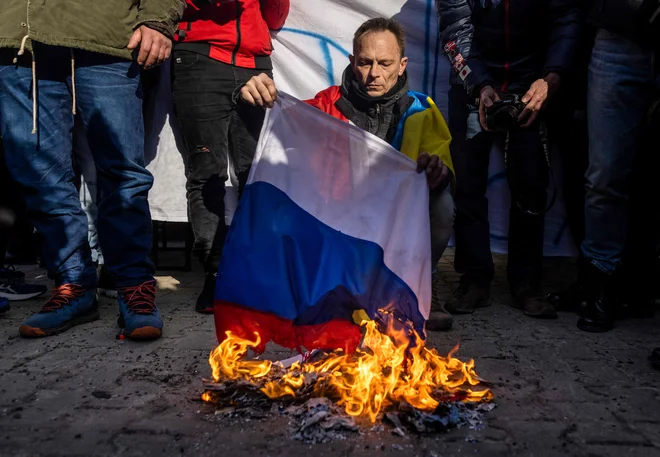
620 94
470 149
202 89
41 164
109 98
442 213
527 172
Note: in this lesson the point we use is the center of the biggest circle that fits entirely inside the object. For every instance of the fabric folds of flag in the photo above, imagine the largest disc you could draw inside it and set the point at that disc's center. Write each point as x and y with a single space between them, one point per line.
332 221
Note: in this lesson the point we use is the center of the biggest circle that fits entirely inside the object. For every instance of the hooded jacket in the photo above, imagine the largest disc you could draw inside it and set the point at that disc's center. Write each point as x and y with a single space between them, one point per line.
103 26
407 120
508 44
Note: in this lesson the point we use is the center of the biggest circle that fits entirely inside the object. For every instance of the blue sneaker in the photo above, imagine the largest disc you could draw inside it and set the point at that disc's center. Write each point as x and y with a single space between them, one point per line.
138 315
20 290
69 305
4 305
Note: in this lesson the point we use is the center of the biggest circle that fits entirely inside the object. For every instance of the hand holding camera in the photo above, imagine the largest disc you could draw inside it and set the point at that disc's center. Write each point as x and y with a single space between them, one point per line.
537 97
506 112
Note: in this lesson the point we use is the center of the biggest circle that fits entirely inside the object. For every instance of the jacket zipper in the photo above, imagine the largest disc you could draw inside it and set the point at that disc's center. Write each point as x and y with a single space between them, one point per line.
238 33
506 46
378 120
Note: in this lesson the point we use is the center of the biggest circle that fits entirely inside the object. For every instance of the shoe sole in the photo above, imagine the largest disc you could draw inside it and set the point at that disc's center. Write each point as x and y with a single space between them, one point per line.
204 310
593 329
544 315
145 333
19 297
35 332
480 304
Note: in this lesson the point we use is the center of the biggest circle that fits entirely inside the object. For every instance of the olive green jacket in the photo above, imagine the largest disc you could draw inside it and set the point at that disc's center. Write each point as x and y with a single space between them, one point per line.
103 26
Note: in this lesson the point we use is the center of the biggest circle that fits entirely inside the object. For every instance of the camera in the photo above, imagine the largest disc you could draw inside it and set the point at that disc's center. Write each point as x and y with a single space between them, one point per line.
502 116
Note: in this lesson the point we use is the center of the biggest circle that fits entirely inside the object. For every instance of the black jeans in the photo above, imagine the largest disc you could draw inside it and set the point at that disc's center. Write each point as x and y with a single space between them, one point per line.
528 176
214 129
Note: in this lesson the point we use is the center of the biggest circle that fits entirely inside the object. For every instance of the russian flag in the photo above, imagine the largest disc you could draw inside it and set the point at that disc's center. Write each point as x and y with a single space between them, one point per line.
333 220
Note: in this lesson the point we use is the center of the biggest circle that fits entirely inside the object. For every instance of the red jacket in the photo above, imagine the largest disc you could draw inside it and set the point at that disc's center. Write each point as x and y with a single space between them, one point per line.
235 31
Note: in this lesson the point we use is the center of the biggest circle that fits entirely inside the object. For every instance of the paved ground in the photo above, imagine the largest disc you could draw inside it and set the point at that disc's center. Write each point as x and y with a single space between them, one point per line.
559 391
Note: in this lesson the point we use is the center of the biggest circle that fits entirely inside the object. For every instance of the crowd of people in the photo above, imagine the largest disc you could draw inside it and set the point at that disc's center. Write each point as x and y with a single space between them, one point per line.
526 75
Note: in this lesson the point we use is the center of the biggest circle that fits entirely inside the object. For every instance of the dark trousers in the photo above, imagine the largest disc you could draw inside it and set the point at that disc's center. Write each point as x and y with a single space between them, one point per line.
214 129
528 178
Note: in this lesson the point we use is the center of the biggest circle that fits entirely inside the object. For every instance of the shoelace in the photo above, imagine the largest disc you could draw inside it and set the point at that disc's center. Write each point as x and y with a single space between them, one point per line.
63 295
140 299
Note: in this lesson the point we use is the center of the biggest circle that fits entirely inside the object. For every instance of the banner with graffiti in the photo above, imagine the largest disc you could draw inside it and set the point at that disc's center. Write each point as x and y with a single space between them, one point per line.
311 52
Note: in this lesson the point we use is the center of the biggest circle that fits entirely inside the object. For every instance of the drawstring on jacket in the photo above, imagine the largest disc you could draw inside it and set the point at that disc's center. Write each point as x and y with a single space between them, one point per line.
73 82
21 51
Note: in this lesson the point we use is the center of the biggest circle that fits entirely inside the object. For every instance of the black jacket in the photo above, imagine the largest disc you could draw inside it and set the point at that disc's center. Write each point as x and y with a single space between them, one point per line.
637 20
508 43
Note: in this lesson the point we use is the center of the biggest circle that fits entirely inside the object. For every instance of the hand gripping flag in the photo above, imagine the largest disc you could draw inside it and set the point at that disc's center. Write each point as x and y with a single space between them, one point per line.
333 223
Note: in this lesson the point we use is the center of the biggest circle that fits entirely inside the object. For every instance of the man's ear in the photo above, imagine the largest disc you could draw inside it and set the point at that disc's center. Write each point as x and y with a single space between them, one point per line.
351 58
404 64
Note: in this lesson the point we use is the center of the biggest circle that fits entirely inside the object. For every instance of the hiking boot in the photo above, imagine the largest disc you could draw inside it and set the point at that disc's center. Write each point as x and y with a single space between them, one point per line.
8 273
18 289
4 305
138 315
524 297
439 319
600 302
207 296
69 305
106 284
469 296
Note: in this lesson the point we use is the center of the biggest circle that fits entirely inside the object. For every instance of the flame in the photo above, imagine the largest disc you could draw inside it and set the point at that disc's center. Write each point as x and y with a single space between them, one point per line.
386 370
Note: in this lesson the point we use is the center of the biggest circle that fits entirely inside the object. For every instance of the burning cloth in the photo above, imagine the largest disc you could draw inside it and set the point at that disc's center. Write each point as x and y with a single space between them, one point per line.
332 228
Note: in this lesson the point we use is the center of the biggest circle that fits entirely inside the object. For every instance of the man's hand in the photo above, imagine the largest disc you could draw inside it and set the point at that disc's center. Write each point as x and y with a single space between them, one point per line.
436 171
155 48
487 97
260 91
537 97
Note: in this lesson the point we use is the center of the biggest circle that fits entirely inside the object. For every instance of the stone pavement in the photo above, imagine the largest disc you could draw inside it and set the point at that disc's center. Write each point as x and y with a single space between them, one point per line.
559 391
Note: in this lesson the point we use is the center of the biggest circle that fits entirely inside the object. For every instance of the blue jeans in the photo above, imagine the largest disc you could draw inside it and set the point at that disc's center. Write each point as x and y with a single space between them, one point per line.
621 90
109 102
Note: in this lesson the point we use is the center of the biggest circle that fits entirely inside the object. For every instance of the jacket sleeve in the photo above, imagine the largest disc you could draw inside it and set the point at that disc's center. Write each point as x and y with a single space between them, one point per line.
566 25
161 15
456 37
274 12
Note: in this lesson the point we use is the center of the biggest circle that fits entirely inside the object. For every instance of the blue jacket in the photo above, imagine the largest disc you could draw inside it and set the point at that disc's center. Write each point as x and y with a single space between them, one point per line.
508 44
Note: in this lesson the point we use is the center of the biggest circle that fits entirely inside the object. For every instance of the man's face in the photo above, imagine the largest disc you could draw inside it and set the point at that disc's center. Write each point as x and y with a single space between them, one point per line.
377 62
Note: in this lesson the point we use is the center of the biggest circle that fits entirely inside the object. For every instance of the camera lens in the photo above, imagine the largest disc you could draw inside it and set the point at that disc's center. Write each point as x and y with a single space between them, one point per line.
506 118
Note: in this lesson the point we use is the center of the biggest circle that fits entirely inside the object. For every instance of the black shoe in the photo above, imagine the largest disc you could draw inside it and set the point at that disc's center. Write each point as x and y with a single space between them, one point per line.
440 319
8 273
469 296
527 298
205 300
600 301
654 358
